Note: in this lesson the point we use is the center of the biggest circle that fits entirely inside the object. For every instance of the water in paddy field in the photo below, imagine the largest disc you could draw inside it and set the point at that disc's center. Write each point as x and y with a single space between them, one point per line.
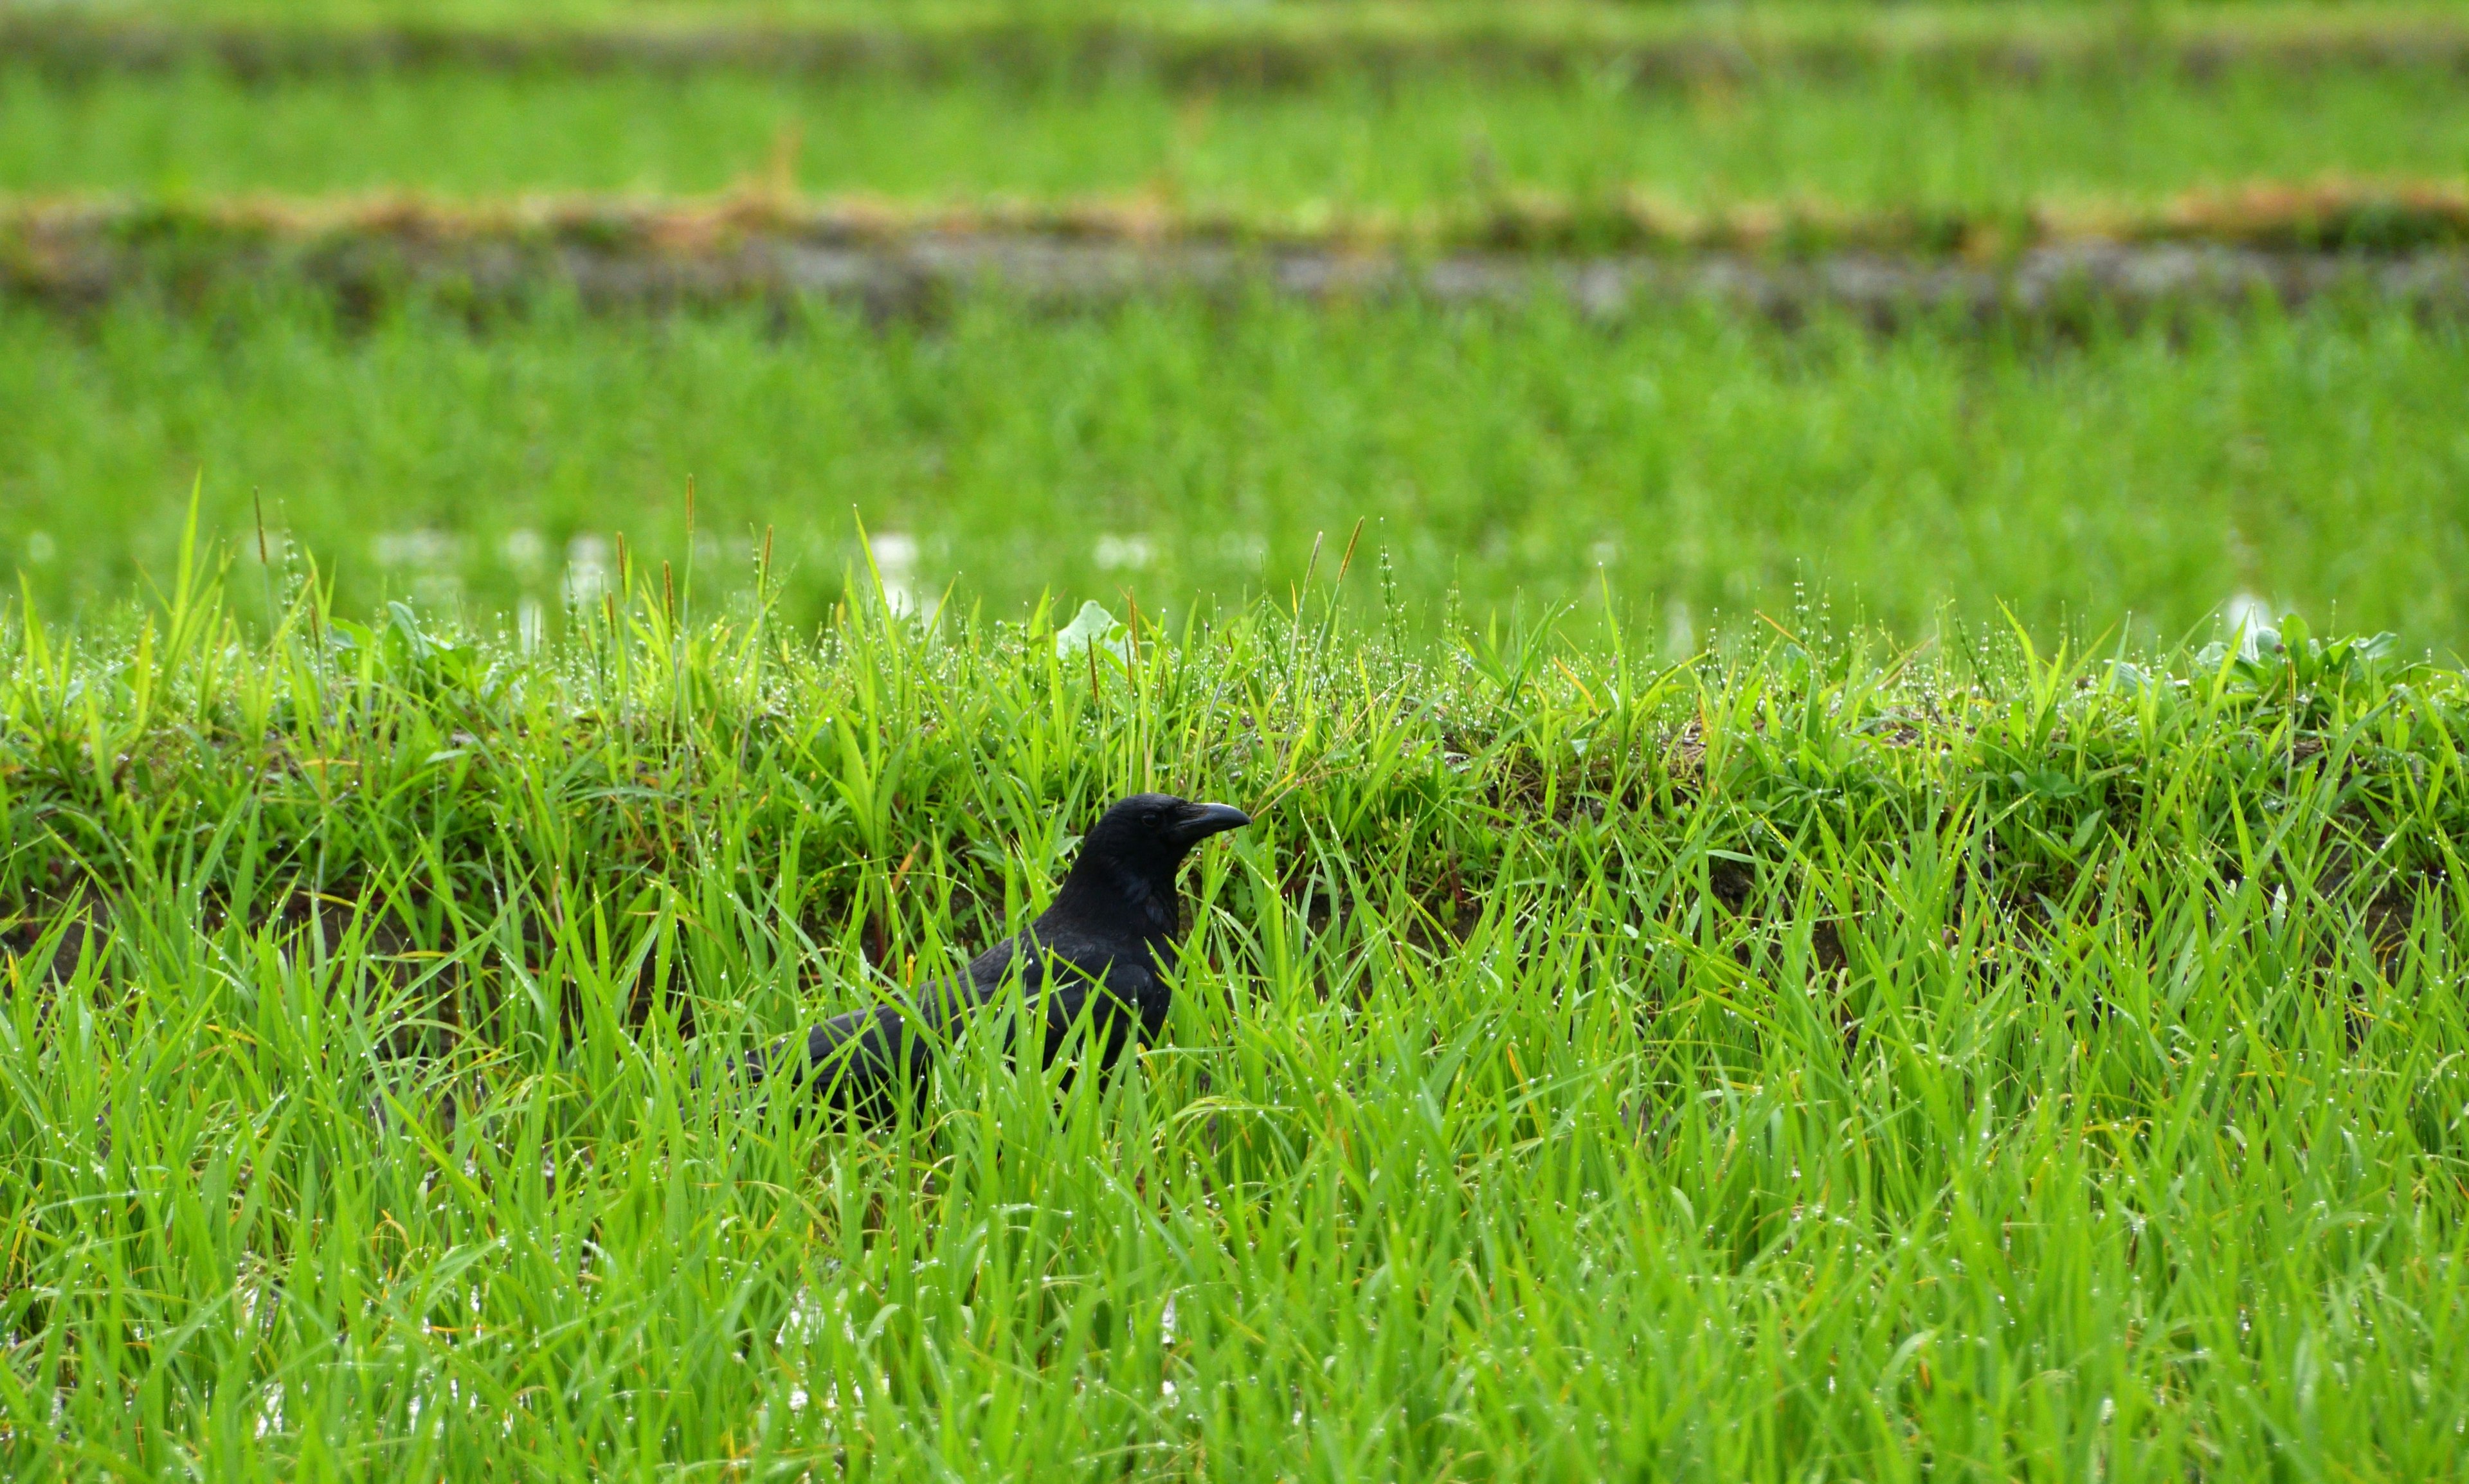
527 579
589 574
2247 617
895 565
1121 553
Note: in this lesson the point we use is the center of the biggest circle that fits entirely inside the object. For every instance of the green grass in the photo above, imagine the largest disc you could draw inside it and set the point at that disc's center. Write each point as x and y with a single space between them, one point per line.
1681 464
1877 139
1810 1062
1826 16
1841 1043
1786 23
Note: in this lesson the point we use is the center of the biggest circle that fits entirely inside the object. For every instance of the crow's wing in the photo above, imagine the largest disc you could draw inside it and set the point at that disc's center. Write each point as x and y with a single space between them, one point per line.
864 1060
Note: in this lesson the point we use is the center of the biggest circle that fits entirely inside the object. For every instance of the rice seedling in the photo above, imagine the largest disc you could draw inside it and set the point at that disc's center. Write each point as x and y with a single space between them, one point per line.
1686 466
1925 139
1804 1057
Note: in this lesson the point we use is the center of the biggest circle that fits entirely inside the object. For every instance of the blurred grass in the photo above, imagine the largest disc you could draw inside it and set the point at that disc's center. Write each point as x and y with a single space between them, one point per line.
1973 1064
1872 139
1682 464
1825 16
1826 27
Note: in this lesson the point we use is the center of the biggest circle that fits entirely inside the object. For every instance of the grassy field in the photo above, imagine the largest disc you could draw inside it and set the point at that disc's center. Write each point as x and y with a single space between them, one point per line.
1784 937
1866 139
1789 28
1807 1060
1682 464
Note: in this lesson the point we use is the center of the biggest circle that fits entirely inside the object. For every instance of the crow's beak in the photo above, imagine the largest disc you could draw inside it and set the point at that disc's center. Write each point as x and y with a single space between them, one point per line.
1210 819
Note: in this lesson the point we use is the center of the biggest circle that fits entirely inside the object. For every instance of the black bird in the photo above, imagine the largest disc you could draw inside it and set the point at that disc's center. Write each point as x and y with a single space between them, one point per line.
1101 940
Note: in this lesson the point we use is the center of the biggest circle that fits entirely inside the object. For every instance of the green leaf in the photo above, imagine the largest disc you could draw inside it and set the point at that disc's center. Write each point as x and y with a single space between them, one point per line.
1092 625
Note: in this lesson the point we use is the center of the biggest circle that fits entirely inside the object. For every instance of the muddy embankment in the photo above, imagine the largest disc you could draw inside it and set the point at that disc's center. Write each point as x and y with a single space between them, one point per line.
2404 247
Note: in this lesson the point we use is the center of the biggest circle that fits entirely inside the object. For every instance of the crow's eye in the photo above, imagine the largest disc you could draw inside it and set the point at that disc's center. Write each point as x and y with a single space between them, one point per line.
1154 818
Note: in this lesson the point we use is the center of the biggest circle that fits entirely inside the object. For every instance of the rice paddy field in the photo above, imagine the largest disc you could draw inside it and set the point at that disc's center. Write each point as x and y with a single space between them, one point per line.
1828 899
1677 470
1892 137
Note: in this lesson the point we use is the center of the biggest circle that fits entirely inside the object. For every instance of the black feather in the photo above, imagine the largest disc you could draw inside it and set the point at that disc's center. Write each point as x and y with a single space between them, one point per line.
1096 954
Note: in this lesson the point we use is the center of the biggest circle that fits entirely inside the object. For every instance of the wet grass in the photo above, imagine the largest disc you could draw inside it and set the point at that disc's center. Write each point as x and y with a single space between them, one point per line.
1628 1043
1824 31
1808 1057
1677 465
1880 138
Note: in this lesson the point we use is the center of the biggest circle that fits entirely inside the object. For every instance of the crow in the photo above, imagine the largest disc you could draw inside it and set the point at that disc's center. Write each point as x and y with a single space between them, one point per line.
1096 952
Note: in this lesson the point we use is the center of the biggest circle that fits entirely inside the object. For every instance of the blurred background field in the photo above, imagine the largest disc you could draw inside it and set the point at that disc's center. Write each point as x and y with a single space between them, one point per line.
1682 467
1681 462
1894 135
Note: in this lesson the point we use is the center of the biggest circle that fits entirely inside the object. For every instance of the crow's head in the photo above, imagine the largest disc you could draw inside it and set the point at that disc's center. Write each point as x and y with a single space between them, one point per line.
1151 833
1122 883
1122 886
